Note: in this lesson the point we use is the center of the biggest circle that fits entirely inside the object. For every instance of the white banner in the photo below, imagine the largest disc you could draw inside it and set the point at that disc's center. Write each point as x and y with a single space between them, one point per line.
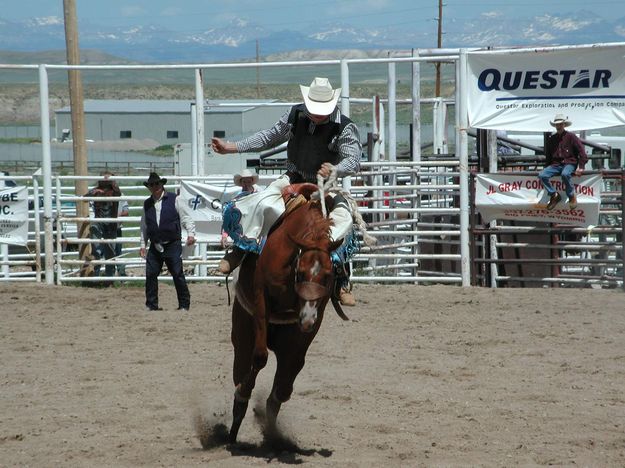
14 215
509 196
524 90
204 203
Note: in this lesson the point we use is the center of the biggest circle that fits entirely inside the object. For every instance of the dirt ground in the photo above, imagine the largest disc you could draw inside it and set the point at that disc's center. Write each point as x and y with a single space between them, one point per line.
423 376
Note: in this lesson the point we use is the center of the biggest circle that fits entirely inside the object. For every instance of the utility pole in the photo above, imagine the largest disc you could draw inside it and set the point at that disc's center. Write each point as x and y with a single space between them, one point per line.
439 45
78 118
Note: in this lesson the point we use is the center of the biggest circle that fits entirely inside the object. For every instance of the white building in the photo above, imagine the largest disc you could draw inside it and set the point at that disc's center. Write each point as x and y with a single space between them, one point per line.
168 121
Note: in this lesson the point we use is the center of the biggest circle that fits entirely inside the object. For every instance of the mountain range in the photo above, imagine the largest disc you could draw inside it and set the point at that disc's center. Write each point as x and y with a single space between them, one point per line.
238 40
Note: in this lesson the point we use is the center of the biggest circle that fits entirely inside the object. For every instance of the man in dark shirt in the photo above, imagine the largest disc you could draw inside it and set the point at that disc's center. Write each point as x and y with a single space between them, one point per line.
162 221
565 156
104 230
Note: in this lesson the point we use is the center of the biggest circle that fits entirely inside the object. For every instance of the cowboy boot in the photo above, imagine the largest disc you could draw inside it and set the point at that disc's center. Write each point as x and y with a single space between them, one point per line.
572 202
231 260
346 297
553 200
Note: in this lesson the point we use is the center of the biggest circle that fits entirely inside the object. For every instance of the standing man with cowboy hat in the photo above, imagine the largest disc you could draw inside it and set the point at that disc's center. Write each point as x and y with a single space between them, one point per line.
247 181
319 138
163 216
564 156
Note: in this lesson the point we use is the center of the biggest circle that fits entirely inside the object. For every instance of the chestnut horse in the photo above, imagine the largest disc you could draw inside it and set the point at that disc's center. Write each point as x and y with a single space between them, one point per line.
279 303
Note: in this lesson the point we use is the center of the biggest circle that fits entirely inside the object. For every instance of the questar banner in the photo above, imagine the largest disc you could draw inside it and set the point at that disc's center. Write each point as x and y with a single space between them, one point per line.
507 196
523 90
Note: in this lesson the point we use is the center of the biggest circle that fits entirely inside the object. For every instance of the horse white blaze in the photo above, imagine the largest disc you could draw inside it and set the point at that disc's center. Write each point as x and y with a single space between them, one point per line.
308 315
316 268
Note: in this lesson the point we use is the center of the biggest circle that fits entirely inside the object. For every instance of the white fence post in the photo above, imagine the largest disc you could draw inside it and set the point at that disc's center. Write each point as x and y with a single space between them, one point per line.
46 165
492 168
199 120
194 145
462 153
392 114
416 139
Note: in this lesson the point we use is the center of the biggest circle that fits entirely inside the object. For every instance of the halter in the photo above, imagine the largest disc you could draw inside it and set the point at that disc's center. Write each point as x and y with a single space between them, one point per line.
309 290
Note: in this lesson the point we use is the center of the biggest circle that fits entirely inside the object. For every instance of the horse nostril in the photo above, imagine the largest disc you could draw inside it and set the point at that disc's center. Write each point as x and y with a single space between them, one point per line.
306 325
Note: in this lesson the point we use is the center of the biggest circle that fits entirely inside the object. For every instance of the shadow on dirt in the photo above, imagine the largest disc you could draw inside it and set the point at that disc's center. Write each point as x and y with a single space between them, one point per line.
275 445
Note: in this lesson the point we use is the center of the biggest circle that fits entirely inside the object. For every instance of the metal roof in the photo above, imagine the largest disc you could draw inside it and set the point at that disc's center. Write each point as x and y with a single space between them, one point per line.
163 106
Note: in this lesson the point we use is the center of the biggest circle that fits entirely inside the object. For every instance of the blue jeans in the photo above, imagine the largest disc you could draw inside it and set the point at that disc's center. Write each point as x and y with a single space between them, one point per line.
121 268
566 171
172 256
103 250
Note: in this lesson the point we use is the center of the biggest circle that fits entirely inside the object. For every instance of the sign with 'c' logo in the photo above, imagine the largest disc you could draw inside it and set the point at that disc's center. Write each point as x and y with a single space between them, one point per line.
204 203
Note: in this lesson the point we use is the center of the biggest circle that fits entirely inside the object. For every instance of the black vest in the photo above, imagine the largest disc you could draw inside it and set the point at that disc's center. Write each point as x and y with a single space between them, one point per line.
169 228
309 151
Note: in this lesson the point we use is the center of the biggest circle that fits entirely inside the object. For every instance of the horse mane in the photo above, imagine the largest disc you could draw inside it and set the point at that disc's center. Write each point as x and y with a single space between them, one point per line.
310 228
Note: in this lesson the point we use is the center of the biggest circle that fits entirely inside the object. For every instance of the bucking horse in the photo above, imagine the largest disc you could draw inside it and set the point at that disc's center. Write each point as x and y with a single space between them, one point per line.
280 298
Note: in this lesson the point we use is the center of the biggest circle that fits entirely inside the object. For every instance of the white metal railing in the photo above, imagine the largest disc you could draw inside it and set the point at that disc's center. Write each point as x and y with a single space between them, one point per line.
396 225
442 206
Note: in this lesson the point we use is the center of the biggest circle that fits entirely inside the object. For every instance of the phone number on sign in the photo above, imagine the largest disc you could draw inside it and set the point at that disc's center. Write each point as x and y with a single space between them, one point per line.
576 213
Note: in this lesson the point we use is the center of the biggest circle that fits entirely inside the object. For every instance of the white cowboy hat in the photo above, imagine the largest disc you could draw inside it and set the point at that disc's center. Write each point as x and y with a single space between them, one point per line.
319 97
560 118
244 174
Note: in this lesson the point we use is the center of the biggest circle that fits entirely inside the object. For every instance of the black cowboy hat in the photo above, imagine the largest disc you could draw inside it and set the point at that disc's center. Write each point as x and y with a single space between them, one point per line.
154 179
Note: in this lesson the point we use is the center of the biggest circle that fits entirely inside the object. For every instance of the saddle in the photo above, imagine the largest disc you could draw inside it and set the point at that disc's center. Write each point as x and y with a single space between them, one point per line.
296 195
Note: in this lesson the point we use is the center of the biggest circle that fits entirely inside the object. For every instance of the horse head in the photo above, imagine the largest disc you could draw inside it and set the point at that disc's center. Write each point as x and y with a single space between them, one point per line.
314 273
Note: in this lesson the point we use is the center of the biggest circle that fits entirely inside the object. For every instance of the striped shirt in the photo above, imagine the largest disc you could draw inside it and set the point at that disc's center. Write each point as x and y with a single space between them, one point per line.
347 143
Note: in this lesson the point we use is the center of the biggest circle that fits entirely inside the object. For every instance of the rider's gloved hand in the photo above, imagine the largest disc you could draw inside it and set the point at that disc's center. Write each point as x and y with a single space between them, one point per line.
325 170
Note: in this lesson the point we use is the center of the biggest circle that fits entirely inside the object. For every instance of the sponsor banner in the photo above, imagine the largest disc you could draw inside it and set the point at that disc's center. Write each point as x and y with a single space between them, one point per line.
523 90
204 203
508 196
14 215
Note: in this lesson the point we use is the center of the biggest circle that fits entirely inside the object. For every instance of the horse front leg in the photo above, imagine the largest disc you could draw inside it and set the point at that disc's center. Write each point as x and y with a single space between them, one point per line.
239 409
272 408
242 336
290 347
242 395
259 358
260 353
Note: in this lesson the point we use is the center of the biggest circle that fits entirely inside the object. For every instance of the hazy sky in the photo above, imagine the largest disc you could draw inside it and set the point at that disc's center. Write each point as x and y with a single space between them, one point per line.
198 15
